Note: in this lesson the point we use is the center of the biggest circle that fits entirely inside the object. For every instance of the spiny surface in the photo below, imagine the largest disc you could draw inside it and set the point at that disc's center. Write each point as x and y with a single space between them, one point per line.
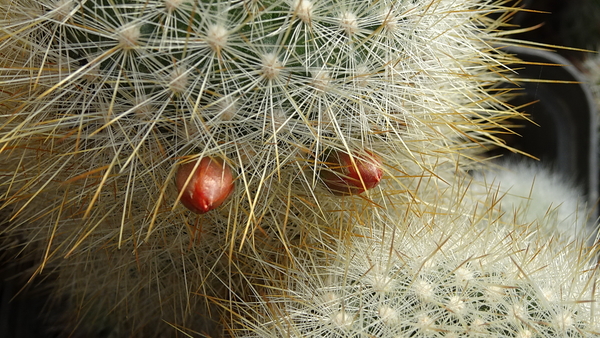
116 93
441 273
100 102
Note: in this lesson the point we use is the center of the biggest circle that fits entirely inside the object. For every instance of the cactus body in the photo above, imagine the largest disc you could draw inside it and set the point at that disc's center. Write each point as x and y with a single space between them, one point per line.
444 275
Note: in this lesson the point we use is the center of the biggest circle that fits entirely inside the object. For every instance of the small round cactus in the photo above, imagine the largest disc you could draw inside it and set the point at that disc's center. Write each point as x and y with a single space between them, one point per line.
531 193
438 274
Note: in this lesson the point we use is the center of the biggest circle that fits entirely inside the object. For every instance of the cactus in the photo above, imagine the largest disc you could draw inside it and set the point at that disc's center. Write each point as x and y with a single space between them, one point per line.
436 274
102 102
532 193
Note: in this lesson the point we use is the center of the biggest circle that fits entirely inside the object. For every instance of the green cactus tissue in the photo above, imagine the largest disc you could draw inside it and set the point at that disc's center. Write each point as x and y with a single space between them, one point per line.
163 160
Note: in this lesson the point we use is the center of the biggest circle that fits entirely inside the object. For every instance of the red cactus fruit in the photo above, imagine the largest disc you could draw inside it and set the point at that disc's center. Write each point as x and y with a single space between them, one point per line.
209 184
343 177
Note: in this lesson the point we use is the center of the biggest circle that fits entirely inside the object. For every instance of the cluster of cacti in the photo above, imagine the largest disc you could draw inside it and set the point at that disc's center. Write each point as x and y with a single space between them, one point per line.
272 168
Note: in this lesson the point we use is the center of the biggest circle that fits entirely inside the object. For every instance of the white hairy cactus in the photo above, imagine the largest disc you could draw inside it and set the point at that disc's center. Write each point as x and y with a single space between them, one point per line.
530 193
106 105
463 273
